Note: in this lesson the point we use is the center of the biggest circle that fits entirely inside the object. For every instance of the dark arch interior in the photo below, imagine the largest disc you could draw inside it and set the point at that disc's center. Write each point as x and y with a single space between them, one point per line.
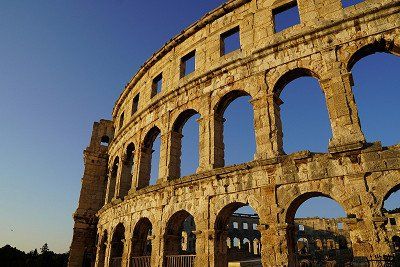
142 239
117 245
105 140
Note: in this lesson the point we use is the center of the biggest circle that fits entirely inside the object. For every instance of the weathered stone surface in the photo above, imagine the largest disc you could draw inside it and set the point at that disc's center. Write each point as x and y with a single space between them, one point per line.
325 45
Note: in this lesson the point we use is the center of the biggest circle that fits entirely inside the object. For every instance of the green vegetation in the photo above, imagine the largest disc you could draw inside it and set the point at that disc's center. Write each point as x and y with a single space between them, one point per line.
12 257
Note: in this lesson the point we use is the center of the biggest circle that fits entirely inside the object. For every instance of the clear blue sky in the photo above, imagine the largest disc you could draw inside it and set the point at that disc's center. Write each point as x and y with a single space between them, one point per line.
63 65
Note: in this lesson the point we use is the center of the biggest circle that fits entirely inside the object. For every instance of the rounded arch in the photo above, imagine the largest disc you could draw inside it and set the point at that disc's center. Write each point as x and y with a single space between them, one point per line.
226 212
181 162
179 236
105 140
142 238
103 246
227 99
290 76
130 149
117 245
224 227
386 196
382 46
151 136
298 200
396 243
182 118
228 147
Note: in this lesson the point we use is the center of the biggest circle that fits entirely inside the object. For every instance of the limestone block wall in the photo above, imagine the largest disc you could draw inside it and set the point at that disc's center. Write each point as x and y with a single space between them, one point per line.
357 173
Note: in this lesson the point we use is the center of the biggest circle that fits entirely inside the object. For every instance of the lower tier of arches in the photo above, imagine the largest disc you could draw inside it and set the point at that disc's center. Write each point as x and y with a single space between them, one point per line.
190 223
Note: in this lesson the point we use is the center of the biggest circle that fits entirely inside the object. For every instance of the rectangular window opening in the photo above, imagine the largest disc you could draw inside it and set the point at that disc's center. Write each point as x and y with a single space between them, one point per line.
230 41
121 120
135 104
340 226
348 3
286 16
392 221
188 64
245 226
157 85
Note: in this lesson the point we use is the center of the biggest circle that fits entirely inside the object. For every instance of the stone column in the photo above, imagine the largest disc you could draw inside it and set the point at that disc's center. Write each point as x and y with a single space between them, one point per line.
126 252
205 155
175 151
343 114
266 120
107 258
164 151
98 249
117 189
135 170
217 140
107 187
144 168
274 135
201 248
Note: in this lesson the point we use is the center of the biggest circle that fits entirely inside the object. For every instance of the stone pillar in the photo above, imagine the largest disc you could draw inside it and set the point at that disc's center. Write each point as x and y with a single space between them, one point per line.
201 248
274 135
126 252
117 189
205 144
266 117
144 168
164 151
175 151
343 114
107 258
106 200
217 140
135 170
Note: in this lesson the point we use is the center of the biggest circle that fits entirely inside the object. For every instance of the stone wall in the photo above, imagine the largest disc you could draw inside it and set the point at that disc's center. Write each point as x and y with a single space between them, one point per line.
359 175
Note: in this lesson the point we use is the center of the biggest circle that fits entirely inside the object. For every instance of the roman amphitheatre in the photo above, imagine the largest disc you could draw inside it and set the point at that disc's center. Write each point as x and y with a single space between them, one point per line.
122 220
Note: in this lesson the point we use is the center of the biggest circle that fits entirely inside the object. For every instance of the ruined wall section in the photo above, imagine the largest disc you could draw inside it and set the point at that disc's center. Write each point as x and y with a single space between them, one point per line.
92 194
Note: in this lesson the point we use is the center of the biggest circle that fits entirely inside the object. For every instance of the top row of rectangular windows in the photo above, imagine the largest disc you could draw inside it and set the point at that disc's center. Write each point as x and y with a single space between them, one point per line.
284 16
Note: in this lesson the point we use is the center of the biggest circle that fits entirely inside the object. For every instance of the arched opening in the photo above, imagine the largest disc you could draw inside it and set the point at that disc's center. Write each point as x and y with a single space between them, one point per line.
149 159
304 117
117 246
391 201
314 233
127 170
142 243
102 250
180 240
234 130
241 249
105 140
396 244
376 79
113 180
184 150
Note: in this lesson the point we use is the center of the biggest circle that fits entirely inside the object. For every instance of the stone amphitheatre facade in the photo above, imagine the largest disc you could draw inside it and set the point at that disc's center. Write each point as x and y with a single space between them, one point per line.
117 207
